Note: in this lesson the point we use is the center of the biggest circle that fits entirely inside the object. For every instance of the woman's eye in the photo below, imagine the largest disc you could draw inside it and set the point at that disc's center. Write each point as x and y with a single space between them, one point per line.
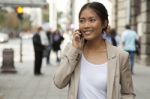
92 20
81 21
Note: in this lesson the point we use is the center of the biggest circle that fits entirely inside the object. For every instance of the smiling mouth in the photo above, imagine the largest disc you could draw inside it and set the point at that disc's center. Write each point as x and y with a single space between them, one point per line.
87 32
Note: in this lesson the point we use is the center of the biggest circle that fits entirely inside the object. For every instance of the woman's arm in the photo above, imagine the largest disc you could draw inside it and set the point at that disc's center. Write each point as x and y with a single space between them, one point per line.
127 91
69 60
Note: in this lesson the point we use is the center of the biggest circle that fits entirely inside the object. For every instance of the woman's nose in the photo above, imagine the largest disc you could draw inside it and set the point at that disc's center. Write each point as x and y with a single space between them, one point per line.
87 24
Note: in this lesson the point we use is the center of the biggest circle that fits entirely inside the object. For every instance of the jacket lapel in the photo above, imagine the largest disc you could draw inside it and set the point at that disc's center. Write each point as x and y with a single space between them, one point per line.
77 77
111 69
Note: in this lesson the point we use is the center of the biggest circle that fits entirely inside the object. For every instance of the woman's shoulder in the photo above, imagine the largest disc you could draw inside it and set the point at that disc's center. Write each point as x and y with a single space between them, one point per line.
66 47
120 51
122 56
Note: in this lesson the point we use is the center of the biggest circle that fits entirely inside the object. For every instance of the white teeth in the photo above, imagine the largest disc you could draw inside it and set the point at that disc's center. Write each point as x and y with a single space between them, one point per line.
87 32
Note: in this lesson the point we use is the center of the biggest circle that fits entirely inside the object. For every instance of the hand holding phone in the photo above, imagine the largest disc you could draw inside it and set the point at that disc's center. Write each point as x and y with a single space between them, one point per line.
78 39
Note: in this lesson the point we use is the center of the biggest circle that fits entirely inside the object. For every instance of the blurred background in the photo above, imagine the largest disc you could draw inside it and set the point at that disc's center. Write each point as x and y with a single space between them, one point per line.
19 20
63 15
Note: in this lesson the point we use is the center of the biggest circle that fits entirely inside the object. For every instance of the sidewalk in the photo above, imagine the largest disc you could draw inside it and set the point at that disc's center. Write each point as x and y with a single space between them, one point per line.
24 85
141 80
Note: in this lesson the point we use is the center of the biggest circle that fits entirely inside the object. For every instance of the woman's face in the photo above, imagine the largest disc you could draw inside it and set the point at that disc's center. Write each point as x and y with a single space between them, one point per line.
90 24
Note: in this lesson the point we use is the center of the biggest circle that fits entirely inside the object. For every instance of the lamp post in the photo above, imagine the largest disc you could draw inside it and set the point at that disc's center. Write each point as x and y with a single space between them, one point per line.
19 11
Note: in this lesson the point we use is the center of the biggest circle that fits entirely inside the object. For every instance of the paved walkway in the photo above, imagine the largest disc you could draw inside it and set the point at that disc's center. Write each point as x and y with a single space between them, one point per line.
141 80
24 85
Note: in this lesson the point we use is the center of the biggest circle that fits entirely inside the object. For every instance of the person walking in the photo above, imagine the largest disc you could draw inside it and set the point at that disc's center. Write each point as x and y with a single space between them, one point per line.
115 35
57 39
108 37
129 38
90 66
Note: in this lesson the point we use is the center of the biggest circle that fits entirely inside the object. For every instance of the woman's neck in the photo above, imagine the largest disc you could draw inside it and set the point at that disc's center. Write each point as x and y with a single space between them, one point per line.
98 44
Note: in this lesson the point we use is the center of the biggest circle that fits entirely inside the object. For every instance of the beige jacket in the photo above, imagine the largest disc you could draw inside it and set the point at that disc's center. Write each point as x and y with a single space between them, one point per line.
119 83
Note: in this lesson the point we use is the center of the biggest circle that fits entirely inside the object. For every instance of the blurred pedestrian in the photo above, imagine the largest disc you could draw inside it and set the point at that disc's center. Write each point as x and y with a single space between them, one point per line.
90 66
49 36
107 35
39 46
129 38
116 37
57 39
38 52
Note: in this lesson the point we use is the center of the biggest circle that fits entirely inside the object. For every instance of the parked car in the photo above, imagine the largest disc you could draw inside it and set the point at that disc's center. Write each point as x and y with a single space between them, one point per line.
4 37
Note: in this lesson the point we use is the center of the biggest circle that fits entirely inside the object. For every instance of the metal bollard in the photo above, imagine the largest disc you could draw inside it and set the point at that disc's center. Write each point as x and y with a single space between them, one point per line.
8 61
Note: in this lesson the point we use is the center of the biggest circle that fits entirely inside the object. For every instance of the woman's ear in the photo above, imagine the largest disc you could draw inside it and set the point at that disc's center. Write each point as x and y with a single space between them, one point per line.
105 24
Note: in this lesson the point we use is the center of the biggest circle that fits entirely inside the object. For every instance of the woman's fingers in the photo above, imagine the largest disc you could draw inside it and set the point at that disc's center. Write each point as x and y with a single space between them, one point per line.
77 39
76 33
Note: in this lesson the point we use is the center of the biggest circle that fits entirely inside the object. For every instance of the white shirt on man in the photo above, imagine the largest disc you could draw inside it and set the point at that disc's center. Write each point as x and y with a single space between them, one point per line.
44 39
128 38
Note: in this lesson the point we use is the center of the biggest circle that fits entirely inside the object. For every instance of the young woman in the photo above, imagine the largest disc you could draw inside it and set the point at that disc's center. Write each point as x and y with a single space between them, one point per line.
93 68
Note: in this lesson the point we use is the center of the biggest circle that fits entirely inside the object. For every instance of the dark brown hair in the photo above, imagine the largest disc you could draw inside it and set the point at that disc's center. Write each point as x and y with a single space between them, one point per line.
99 9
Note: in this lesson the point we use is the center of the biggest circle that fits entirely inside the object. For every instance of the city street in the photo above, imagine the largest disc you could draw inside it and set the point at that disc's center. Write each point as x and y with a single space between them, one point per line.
24 85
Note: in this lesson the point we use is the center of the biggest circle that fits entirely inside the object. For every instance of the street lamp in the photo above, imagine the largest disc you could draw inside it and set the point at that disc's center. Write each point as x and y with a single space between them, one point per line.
19 11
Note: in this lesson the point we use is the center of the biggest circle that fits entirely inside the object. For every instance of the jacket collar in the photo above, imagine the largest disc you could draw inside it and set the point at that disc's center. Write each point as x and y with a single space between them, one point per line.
112 63
110 51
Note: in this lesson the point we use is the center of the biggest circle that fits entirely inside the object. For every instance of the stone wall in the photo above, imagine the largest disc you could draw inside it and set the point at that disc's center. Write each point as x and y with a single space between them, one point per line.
145 37
139 12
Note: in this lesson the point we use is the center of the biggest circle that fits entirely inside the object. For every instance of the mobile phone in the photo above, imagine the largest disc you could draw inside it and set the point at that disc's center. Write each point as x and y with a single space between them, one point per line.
82 38
81 35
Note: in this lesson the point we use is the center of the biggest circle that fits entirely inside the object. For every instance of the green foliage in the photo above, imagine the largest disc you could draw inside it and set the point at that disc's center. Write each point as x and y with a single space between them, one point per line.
45 13
59 27
2 17
10 22
59 16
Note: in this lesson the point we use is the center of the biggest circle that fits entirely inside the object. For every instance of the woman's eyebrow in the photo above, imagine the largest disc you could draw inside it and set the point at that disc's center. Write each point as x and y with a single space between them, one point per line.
82 18
88 18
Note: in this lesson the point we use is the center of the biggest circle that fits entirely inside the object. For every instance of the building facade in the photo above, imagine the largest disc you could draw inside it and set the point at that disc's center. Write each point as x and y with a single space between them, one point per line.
136 13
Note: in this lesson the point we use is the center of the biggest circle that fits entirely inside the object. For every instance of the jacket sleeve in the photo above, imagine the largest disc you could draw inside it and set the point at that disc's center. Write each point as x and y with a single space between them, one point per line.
69 60
127 91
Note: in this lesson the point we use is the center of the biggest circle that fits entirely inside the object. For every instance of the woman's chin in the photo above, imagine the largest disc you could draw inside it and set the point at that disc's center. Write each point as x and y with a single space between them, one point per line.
88 38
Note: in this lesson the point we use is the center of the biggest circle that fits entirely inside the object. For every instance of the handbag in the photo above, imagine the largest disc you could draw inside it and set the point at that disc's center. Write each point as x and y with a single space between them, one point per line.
137 47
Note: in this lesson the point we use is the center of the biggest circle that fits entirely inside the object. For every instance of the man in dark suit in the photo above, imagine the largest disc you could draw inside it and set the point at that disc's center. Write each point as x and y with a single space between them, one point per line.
38 50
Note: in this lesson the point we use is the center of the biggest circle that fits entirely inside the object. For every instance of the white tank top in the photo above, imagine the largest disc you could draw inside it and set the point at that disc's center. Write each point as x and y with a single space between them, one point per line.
93 80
